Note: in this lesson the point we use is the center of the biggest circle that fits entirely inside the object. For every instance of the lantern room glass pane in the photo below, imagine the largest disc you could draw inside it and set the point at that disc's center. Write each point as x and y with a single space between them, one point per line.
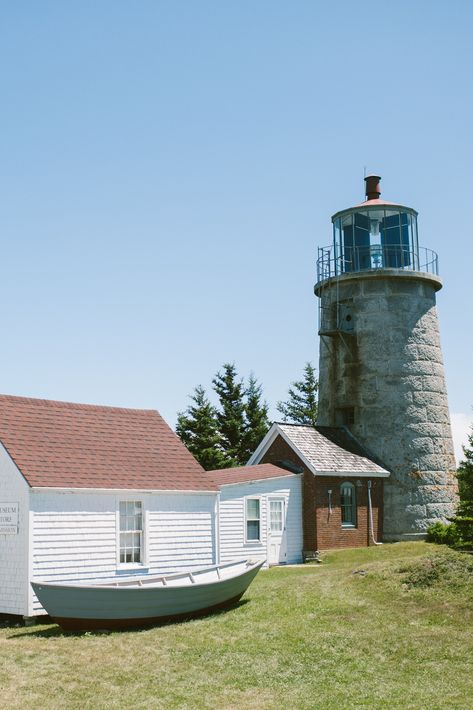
348 243
394 230
406 252
356 242
337 231
362 241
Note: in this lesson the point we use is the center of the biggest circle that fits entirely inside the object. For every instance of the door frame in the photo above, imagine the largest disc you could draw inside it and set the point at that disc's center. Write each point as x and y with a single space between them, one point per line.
283 499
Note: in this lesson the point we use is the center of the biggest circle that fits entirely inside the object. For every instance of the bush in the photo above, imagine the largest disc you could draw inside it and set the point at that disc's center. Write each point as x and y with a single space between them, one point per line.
443 533
463 522
451 569
464 515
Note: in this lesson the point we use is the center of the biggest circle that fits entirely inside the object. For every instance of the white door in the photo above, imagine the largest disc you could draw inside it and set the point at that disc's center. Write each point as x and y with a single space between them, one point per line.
277 551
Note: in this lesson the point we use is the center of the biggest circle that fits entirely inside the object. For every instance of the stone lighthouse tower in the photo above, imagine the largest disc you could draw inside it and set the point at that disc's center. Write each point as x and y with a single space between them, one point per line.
381 368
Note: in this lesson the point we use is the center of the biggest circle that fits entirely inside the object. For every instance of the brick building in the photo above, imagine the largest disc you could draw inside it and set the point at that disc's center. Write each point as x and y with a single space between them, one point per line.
342 486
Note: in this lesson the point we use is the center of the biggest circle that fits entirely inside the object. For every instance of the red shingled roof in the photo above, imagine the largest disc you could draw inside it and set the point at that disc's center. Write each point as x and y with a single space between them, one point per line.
240 474
66 445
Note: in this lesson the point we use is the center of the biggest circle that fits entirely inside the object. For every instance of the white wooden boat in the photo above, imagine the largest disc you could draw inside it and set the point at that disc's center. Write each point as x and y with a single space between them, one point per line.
140 601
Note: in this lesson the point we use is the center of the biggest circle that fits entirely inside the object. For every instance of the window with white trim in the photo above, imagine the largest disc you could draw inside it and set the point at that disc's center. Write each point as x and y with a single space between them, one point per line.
253 520
348 504
131 531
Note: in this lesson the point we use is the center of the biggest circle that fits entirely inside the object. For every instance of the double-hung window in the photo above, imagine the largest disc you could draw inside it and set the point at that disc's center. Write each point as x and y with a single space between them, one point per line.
253 520
131 531
348 505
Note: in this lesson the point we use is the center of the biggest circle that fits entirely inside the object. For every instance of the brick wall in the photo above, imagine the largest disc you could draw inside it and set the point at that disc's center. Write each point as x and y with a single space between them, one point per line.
321 530
330 533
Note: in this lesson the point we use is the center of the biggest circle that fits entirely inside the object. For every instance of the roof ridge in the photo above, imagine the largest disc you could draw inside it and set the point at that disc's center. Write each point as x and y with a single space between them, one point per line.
243 466
61 404
307 426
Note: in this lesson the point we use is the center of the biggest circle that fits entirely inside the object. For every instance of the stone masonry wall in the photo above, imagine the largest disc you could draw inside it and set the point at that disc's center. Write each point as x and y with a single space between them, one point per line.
390 371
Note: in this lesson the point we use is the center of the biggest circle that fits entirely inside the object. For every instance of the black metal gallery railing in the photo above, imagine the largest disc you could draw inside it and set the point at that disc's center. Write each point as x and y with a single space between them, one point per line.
368 258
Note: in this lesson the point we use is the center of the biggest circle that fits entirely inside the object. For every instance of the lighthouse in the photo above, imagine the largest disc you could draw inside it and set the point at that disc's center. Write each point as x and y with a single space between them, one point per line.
381 366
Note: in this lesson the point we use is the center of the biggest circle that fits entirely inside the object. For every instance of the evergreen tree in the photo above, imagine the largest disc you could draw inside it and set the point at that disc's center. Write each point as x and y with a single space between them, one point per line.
227 435
464 516
301 405
231 415
197 428
256 419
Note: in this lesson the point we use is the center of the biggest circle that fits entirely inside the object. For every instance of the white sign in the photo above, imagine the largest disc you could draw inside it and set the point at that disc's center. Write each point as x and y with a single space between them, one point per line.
9 518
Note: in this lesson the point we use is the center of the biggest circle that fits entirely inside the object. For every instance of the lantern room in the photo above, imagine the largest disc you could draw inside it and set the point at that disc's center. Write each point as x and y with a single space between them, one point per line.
375 235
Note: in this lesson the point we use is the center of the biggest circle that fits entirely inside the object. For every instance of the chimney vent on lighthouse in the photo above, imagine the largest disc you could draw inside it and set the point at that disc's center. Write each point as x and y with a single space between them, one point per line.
372 188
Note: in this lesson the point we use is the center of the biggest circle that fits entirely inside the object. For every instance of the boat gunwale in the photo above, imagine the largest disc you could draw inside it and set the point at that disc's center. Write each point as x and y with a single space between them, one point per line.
143 583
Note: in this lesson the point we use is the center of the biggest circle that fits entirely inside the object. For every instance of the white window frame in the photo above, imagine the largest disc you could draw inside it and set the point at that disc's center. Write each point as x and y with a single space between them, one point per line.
352 525
247 520
143 555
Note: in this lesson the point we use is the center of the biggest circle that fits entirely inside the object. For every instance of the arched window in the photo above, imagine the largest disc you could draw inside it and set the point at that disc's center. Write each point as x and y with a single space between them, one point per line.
348 504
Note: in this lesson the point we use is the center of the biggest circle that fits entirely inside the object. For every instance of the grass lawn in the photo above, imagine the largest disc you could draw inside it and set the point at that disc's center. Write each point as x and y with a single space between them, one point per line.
387 627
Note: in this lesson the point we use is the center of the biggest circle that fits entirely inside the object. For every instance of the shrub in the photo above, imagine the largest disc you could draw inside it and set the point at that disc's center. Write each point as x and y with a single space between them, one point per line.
443 533
463 522
464 515
451 570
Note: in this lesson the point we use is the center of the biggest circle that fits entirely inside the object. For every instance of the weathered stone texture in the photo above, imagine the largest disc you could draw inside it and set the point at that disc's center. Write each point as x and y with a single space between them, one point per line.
391 372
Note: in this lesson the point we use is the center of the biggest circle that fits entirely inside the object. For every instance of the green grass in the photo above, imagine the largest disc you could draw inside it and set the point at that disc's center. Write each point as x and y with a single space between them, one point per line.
397 635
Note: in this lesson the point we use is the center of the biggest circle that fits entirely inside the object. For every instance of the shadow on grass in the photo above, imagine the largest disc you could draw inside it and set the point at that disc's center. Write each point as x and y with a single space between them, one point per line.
10 621
55 631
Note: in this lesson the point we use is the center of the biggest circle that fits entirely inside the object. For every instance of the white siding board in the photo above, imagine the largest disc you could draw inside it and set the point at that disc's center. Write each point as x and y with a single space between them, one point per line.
182 533
14 548
75 534
232 518
72 540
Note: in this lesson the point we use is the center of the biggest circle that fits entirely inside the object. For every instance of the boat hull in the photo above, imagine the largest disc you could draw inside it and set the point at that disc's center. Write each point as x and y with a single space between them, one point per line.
88 608
75 625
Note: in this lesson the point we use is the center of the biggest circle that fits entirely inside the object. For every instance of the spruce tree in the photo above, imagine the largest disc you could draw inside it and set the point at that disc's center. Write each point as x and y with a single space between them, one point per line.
231 414
301 405
256 419
464 515
197 428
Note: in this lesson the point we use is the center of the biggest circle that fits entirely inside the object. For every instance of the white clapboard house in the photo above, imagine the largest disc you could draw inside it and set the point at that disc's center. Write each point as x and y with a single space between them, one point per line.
260 513
90 492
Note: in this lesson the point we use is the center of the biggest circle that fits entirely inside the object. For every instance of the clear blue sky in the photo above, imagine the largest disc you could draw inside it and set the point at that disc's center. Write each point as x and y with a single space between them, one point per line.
168 170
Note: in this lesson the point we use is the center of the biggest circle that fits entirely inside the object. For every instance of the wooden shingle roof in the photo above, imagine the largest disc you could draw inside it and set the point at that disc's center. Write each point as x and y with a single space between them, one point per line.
65 445
331 449
323 450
